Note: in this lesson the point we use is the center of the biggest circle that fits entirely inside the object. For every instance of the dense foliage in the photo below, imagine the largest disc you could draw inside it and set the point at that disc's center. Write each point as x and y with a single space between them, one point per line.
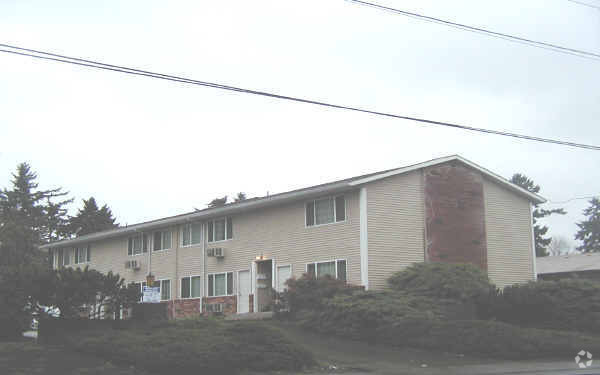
196 346
589 229
464 282
569 304
539 231
69 289
91 219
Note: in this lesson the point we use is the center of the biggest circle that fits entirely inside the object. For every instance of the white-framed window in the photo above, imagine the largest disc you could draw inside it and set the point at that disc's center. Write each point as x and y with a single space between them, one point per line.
137 245
325 211
161 240
191 234
191 286
165 289
82 255
220 284
141 285
219 230
66 257
337 269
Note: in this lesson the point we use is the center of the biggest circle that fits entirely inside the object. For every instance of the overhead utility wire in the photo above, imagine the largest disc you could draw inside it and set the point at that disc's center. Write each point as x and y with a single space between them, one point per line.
479 30
121 69
573 199
584 4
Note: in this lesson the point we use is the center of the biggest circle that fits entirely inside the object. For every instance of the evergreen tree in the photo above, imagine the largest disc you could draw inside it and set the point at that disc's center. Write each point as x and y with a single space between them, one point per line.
91 219
589 229
218 202
539 231
241 196
28 218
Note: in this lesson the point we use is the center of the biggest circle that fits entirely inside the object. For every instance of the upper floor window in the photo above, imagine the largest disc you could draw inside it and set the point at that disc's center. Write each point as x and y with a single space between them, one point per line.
191 234
335 268
137 245
220 230
82 255
326 210
161 240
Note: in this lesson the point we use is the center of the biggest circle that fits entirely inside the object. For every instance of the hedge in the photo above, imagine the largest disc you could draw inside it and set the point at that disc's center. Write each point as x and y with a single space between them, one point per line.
570 304
195 346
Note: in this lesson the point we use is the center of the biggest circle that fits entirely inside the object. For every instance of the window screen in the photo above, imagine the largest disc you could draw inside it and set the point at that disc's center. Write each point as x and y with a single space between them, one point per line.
185 287
340 208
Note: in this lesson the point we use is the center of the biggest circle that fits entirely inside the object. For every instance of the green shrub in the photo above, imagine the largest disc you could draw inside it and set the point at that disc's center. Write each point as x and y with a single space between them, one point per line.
196 346
363 314
570 304
308 291
464 282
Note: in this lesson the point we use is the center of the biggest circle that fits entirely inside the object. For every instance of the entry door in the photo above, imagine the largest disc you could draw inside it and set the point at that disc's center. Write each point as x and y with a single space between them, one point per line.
283 274
243 302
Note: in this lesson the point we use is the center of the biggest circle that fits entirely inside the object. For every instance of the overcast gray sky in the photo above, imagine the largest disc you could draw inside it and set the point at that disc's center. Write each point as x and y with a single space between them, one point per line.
151 148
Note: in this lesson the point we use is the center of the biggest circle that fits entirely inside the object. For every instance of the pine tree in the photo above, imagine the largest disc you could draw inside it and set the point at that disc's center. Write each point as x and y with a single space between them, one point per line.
91 219
241 196
28 216
539 231
589 229
218 202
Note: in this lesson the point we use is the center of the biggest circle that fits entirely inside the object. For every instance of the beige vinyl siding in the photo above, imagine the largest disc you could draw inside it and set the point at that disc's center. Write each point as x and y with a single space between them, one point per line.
395 216
508 230
111 255
280 233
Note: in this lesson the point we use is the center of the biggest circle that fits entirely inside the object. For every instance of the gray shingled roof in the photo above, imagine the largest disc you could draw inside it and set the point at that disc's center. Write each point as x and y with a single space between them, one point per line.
568 263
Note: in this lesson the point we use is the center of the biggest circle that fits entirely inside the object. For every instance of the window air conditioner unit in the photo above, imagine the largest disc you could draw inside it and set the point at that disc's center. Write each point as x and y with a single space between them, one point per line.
132 264
216 252
214 307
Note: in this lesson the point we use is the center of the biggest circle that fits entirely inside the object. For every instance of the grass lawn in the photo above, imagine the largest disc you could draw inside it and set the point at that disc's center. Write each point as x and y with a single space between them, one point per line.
26 358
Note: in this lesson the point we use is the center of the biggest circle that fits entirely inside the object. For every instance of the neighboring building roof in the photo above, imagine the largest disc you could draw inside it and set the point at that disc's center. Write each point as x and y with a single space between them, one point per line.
306 193
568 263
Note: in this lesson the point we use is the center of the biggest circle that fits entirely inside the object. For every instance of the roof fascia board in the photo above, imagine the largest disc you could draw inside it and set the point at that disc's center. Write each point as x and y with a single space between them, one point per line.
205 214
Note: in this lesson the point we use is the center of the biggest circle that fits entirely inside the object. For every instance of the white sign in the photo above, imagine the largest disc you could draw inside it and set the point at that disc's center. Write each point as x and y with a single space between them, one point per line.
151 294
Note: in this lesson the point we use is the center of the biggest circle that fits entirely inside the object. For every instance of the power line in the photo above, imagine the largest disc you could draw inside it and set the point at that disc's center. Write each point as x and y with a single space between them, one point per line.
585 4
99 65
479 30
573 199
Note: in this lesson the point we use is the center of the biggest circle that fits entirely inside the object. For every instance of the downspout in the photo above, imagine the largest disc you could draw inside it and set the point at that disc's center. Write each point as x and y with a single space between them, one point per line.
204 280
176 247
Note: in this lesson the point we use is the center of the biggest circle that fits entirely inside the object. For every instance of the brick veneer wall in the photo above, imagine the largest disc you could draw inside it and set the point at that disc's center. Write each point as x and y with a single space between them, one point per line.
184 308
455 215
230 303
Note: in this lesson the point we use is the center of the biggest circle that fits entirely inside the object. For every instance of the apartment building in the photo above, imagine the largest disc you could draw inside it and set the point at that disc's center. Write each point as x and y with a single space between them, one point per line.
360 230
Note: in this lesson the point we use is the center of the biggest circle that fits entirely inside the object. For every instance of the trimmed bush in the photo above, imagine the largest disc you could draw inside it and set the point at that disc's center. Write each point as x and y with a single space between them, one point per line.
194 346
569 304
307 291
464 282
363 315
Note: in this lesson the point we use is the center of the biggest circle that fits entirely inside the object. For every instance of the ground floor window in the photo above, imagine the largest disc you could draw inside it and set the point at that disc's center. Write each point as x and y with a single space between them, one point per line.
220 284
335 268
165 289
190 287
